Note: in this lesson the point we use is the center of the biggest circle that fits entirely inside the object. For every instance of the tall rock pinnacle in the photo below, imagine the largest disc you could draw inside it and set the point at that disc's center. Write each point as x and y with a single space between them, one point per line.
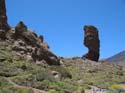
92 42
3 17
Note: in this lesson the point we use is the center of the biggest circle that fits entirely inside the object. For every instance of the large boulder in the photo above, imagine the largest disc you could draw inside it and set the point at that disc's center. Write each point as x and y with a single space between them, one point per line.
42 53
92 42
22 32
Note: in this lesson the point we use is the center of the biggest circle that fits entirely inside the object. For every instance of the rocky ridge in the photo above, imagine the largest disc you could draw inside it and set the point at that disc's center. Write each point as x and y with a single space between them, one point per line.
26 44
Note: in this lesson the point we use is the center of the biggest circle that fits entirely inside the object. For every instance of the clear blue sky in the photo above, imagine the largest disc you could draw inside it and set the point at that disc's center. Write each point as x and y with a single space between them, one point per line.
61 22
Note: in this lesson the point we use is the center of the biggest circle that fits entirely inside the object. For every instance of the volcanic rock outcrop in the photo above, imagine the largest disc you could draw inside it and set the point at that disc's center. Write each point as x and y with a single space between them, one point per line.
3 17
92 42
23 42
27 45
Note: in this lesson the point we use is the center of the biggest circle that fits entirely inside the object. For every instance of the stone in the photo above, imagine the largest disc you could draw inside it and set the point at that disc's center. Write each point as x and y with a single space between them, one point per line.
17 47
2 35
27 41
26 44
2 59
56 75
42 63
3 17
28 58
41 38
44 54
22 32
9 34
92 42
45 45
29 49
21 27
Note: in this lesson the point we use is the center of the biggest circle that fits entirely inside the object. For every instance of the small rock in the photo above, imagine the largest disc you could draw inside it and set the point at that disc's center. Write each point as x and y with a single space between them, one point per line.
41 38
56 74
2 59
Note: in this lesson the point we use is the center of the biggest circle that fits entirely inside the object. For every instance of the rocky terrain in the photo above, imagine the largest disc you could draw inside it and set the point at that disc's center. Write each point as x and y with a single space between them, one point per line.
73 75
28 66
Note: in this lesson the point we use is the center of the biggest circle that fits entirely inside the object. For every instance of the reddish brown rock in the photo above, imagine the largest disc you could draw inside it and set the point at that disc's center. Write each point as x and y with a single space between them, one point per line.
32 47
3 17
92 42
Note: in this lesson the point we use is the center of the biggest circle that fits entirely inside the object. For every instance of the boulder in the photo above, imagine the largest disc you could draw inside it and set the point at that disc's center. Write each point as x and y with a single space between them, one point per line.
41 39
22 32
44 54
2 59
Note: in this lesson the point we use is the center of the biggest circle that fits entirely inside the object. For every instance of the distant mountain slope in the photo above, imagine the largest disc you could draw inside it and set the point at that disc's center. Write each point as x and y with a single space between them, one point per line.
120 57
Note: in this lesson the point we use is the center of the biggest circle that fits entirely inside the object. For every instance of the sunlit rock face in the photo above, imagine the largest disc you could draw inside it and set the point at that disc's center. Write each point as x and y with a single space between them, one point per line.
92 42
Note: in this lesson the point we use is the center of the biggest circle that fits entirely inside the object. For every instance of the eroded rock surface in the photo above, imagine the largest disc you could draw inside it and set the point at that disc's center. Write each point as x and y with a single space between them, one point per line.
92 42
28 45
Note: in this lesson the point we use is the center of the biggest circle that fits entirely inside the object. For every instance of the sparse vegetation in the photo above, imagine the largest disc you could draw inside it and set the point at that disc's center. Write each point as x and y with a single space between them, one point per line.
6 87
76 75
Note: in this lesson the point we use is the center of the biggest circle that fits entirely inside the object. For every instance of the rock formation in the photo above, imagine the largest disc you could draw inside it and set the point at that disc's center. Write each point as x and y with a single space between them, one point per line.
23 42
28 45
92 42
3 18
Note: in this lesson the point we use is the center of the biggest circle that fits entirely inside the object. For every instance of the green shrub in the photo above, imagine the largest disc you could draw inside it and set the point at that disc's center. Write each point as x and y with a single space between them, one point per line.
44 76
59 85
116 86
63 71
80 90
6 87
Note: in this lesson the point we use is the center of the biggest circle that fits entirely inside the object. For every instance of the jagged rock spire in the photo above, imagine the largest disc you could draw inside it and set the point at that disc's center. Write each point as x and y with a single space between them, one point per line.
3 17
92 42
